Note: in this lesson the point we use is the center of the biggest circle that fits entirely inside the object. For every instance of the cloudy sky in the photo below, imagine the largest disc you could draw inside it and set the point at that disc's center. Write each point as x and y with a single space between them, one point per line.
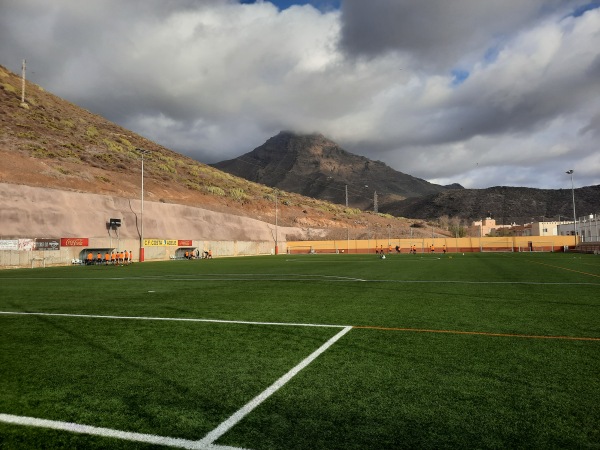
481 93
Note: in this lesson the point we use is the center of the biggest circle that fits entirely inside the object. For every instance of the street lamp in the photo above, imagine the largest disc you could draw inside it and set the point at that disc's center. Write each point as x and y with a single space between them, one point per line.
570 172
142 153
276 226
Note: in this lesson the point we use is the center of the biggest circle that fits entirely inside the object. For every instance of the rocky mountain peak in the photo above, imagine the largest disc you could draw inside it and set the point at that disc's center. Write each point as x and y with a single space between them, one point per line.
313 165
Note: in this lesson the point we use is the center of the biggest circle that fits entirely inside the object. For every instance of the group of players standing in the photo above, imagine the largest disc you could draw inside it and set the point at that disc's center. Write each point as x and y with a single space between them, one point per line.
412 249
121 257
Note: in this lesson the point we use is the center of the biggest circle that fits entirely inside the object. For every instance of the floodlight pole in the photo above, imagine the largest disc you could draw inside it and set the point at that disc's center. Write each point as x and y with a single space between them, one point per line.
570 172
348 239
481 236
142 256
276 226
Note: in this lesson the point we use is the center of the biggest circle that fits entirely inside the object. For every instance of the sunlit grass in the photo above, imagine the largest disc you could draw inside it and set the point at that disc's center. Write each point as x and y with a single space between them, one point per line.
480 351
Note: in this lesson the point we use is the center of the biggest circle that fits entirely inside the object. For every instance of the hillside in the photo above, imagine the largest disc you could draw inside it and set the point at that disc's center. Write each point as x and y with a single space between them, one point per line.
315 166
506 204
51 143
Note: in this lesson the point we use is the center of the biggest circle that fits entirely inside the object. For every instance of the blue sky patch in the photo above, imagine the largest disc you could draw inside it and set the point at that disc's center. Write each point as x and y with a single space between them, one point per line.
584 8
322 5
459 76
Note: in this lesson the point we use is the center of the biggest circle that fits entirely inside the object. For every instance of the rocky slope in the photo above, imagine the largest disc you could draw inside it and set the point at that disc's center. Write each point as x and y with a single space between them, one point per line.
315 166
505 204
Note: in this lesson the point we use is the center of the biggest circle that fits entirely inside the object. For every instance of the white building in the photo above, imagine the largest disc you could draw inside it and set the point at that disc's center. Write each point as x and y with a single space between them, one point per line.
588 228
548 228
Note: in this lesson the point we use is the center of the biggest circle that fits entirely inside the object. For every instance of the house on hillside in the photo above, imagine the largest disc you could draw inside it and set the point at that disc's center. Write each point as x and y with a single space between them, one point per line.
487 226
521 230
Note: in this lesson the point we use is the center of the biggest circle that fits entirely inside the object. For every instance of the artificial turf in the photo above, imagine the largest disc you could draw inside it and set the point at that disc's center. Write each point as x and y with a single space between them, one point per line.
447 351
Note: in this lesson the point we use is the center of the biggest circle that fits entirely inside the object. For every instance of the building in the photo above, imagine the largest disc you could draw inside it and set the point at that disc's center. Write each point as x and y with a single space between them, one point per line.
485 227
588 228
547 228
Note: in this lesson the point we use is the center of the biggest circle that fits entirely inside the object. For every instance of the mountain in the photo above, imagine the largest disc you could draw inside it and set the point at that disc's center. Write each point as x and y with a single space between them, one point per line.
317 167
505 204
49 142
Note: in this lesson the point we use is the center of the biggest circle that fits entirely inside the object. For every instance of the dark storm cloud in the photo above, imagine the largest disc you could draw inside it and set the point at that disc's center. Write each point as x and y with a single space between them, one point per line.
437 33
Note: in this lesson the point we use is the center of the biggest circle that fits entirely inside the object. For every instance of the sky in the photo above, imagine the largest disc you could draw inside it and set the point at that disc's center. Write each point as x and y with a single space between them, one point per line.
495 93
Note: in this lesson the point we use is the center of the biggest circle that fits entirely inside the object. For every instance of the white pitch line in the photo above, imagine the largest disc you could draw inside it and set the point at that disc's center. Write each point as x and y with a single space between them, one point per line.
246 409
110 433
207 443
541 283
173 319
333 279
204 277
97 431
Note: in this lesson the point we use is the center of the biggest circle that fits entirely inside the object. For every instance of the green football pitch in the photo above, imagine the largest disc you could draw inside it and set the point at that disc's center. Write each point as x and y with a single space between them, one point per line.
491 350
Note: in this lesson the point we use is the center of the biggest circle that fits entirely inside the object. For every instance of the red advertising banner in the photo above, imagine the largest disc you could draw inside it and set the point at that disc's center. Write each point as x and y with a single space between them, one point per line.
184 243
74 242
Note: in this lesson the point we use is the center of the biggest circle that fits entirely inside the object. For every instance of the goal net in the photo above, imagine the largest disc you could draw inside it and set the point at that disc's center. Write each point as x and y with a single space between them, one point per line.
497 245
538 246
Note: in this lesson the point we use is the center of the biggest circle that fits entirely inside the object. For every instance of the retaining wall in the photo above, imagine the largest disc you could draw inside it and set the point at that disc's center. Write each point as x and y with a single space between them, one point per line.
66 255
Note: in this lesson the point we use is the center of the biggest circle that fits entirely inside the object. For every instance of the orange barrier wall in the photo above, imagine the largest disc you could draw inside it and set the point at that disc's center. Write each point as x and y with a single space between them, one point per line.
453 245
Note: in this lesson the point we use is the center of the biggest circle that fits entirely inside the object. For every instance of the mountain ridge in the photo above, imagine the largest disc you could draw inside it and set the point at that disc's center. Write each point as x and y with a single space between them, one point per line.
315 166
505 203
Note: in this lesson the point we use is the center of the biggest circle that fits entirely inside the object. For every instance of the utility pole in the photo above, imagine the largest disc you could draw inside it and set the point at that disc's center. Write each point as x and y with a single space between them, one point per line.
375 207
570 172
142 255
276 226
346 196
23 82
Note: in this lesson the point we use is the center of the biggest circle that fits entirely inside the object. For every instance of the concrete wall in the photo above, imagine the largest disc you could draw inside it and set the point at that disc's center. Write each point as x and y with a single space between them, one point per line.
65 255
33 214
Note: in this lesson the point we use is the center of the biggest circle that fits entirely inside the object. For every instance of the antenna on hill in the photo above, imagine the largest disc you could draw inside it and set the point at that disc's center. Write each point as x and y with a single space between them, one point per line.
23 82
375 206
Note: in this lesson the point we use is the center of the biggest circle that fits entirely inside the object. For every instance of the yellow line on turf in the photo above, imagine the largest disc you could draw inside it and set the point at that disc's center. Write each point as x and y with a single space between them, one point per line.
565 268
479 333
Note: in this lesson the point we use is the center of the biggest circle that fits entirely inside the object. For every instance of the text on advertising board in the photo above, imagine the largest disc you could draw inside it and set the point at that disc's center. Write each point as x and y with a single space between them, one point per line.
74 242
159 242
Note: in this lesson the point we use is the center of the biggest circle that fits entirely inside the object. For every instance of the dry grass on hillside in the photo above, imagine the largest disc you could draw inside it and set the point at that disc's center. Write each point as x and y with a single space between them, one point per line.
50 142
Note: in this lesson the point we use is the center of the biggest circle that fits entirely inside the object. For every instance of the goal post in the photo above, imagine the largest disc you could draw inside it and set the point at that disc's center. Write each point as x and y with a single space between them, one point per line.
497 245
538 246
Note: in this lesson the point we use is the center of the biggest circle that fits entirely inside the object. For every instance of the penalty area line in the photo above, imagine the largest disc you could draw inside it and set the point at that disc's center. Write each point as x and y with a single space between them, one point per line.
108 432
206 443
246 409
172 319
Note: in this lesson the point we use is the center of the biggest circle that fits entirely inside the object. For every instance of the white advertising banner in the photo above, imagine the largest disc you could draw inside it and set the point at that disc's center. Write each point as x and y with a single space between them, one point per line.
9 244
26 244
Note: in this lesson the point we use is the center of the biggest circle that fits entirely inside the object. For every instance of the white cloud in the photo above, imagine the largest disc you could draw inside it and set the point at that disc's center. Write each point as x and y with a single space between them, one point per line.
214 79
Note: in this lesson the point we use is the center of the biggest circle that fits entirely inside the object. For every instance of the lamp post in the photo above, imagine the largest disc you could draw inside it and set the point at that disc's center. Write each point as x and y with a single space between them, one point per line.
142 153
570 172
276 226
481 236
